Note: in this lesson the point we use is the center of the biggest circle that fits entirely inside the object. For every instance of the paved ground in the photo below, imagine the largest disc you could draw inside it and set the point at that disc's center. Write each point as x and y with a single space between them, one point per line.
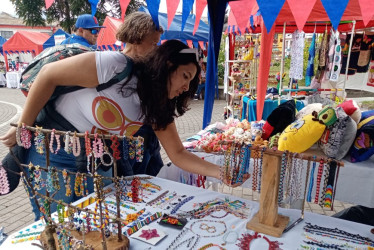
15 209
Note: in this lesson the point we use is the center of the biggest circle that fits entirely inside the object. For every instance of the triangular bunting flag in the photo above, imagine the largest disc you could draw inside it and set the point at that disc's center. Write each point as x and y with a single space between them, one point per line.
335 10
367 10
153 6
123 4
269 11
200 6
201 43
187 7
231 21
171 8
301 10
93 6
240 9
195 44
189 43
48 3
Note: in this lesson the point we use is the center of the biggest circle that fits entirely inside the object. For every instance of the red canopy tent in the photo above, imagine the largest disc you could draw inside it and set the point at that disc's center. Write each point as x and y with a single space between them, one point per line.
107 37
306 15
24 42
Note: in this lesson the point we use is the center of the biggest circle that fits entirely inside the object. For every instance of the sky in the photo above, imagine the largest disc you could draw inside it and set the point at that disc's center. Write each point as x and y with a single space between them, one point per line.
7 6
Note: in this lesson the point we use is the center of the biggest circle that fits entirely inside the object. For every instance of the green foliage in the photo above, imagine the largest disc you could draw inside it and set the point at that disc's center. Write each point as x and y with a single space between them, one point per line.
65 12
221 60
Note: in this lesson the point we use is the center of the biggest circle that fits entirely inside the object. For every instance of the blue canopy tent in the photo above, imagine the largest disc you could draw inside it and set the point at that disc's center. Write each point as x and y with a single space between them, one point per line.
2 41
174 32
56 39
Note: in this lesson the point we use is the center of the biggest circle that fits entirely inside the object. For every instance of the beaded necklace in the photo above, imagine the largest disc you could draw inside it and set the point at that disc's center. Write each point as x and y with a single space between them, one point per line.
206 229
282 175
245 241
180 204
319 178
173 244
311 180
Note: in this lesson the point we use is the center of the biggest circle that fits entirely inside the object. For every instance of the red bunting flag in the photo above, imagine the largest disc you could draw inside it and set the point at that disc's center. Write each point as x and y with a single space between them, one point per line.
301 10
241 11
171 8
231 22
201 43
123 4
367 10
200 6
48 3
189 43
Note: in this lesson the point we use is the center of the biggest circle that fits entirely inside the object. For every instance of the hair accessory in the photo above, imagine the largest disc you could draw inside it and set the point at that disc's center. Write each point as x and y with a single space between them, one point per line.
190 51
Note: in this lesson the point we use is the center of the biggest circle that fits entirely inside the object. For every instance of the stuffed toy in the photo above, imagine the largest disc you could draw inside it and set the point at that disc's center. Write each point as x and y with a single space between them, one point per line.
352 109
301 134
256 129
327 115
236 74
273 142
308 110
279 119
363 146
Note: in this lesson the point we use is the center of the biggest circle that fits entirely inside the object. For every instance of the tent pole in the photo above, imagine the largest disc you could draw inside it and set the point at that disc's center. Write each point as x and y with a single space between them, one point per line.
349 56
282 60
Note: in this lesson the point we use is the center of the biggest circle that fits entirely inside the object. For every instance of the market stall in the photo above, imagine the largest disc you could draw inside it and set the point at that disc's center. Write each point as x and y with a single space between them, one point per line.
229 232
107 37
56 39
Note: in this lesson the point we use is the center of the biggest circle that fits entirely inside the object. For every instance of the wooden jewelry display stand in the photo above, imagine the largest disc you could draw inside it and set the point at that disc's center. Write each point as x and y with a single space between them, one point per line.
267 220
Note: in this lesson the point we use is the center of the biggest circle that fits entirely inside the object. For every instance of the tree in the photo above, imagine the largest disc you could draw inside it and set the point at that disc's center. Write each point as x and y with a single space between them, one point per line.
65 12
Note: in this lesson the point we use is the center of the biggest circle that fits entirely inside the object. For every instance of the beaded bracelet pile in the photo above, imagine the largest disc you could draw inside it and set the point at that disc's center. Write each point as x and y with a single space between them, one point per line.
4 184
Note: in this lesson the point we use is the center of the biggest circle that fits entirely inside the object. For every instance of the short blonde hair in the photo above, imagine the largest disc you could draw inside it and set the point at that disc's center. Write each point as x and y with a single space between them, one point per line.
136 27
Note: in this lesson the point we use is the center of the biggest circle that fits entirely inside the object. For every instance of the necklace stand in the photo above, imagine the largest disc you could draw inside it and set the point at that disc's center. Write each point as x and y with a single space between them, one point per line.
267 220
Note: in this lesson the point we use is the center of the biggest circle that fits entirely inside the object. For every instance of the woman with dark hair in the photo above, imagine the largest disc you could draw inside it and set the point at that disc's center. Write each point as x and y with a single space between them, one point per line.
157 91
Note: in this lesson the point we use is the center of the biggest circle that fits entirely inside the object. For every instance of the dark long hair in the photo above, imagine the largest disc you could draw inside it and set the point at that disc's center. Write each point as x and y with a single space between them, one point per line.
153 76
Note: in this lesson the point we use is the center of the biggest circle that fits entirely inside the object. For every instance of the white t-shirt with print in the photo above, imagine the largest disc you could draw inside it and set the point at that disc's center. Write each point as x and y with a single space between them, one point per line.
107 110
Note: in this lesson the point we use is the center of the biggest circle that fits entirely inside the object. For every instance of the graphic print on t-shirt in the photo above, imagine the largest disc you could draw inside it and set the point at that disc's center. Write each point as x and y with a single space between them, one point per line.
110 117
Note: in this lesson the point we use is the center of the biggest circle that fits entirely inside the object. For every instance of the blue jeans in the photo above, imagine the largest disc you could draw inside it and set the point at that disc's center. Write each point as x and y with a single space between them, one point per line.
200 87
61 161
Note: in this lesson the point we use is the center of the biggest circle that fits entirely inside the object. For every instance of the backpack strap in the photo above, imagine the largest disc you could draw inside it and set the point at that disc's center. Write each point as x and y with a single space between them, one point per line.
118 77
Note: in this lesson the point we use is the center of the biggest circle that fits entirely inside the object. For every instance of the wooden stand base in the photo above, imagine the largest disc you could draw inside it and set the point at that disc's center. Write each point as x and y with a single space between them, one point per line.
275 230
93 239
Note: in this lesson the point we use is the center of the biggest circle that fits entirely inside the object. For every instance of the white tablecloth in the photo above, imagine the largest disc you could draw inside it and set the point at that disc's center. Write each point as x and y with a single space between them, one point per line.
290 240
13 79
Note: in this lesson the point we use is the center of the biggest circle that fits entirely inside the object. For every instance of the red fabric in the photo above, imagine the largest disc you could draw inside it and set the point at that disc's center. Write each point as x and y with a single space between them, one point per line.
267 129
231 20
123 4
171 8
48 3
348 107
201 43
301 10
367 10
200 6
264 67
26 40
107 36
241 13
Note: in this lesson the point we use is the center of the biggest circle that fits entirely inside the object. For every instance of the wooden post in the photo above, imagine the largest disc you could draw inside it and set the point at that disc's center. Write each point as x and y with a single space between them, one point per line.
267 220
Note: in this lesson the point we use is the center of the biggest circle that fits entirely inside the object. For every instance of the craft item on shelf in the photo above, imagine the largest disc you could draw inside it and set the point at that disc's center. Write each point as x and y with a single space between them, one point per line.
236 75
336 233
246 240
149 235
4 184
39 140
297 52
208 228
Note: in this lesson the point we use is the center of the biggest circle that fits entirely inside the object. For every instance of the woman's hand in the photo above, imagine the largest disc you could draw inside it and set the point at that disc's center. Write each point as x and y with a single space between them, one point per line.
227 181
9 139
